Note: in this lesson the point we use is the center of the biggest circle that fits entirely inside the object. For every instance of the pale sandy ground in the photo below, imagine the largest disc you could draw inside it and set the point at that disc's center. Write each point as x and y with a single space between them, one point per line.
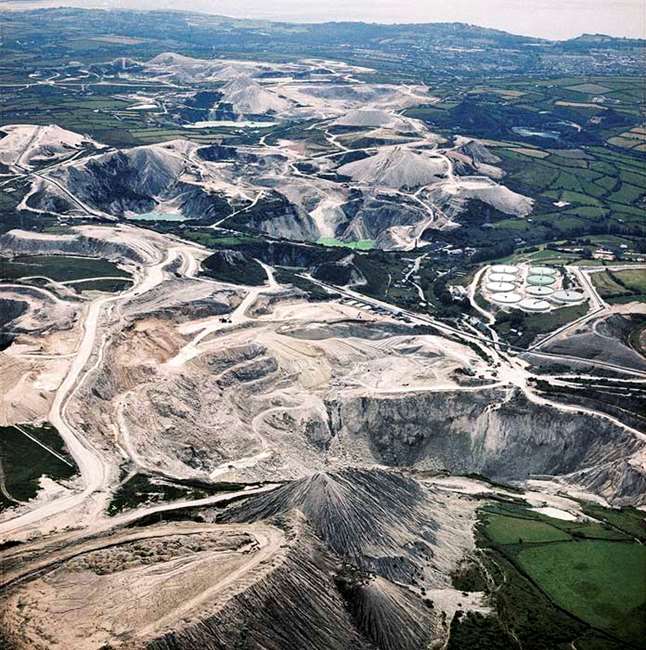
555 513
73 606
31 370
545 497
630 307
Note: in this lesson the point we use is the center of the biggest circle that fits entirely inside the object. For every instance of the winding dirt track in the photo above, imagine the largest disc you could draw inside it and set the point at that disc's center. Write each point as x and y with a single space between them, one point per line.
268 541
206 578
93 468
72 543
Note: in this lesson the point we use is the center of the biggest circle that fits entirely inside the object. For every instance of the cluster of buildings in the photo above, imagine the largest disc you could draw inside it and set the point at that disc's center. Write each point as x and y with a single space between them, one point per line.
529 288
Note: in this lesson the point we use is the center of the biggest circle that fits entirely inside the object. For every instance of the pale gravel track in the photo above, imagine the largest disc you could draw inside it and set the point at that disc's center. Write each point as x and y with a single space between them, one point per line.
71 545
94 469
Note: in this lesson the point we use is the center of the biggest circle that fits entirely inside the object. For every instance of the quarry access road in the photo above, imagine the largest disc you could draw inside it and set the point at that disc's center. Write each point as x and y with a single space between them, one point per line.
54 165
582 275
93 467
480 339
566 328
598 307
73 544
236 317
491 319
591 362
37 134
22 289
399 311
90 211
268 541
251 461
217 224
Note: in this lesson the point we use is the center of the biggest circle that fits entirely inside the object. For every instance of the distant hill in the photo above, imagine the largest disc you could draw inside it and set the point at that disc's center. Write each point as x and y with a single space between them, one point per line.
405 49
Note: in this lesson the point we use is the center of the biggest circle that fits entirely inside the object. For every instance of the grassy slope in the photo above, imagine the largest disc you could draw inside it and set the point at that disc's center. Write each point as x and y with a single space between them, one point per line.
595 571
58 267
24 461
601 582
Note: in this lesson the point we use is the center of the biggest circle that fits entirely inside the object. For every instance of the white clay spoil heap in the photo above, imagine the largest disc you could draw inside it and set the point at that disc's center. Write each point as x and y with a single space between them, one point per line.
247 97
373 118
395 168
26 145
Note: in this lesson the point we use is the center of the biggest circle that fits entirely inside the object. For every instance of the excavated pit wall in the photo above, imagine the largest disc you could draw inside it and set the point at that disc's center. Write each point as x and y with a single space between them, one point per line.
486 433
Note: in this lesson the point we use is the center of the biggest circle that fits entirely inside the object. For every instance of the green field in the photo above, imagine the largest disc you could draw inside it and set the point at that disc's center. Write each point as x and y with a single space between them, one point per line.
515 530
606 284
634 279
594 570
60 268
629 520
217 240
107 285
621 286
242 270
361 245
23 461
601 582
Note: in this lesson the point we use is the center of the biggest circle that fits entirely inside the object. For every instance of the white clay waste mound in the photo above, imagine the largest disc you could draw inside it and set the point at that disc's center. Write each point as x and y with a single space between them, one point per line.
395 167
26 145
476 151
337 99
373 118
497 196
190 69
247 97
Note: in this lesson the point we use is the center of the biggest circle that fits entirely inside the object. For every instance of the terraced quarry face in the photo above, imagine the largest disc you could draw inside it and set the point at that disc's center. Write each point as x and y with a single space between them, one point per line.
318 345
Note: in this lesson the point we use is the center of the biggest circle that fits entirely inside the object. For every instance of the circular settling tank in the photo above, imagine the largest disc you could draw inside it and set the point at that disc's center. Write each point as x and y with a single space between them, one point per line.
504 268
539 291
534 304
499 287
542 270
501 277
540 280
507 298
567 296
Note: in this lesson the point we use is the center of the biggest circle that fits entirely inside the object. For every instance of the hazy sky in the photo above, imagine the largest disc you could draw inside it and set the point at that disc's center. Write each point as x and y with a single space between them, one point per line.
547 18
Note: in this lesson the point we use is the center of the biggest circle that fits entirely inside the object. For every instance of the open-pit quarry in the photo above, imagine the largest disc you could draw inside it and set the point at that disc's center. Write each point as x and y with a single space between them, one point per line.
289 362
278 408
